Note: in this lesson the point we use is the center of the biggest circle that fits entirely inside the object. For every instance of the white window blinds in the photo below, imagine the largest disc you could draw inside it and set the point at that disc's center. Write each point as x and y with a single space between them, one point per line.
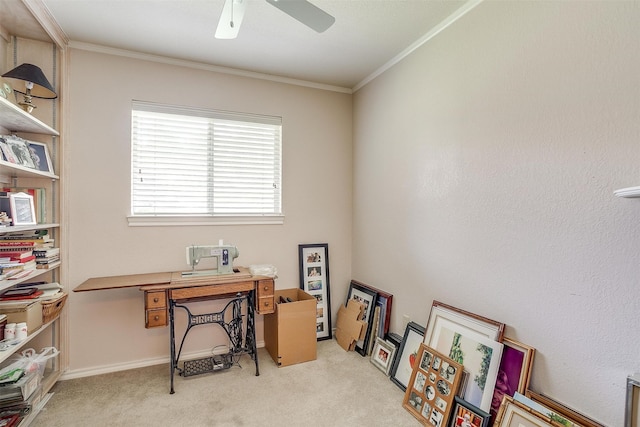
191 162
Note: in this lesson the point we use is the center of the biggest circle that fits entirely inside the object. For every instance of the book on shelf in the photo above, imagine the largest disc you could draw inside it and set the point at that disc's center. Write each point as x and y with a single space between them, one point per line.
48 265
44 252
23 260
11 254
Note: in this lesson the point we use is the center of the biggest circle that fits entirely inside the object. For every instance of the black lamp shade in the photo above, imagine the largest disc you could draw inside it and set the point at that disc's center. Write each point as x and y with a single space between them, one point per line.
30 73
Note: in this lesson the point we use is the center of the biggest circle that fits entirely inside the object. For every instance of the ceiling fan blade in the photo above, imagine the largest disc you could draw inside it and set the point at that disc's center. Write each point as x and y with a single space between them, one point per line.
305 12
231 19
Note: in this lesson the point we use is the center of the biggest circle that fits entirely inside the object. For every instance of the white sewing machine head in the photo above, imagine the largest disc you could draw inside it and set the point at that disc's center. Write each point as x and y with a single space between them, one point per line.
224 254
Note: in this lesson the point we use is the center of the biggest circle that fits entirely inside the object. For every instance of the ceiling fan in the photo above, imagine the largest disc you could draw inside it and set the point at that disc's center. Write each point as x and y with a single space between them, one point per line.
301 10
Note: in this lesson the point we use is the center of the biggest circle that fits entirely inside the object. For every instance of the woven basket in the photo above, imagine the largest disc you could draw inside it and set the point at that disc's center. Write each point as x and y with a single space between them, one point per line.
51 308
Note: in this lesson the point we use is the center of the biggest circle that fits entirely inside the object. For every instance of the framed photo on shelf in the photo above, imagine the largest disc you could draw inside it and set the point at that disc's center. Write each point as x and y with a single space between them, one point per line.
382 355
40 156
514 371
367 297
20 151
22 209
472 341
406 355
465 414
314 280
432 387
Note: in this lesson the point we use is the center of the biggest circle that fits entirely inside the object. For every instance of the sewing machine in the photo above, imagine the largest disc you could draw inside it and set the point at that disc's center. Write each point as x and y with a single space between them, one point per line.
224 254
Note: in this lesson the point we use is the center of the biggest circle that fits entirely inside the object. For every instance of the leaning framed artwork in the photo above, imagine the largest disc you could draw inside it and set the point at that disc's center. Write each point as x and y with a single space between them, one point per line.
384 301
514 371
406 355
382 355
470 340
560 412
314 280
433 385
516 414
465 414
367 297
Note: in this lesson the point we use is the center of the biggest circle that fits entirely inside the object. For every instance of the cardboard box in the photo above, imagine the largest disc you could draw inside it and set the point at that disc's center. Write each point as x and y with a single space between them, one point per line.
349 327
290 332
28 312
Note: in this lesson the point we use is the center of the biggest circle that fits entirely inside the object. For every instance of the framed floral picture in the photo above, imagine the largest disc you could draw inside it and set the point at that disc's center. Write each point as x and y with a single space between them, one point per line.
314 280
472 341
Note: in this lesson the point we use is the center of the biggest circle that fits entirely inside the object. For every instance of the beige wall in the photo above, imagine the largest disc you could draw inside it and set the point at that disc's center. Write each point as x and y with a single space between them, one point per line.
107 327
484 171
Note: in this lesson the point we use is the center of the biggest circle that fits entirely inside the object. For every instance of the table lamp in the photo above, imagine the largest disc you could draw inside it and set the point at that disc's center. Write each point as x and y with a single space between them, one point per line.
36 84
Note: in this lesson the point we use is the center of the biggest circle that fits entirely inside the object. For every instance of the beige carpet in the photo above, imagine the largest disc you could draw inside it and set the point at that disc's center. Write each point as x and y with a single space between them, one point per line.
338 389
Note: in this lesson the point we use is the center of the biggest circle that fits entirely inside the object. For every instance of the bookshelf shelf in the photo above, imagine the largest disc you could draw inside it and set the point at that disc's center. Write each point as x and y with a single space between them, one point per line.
14 119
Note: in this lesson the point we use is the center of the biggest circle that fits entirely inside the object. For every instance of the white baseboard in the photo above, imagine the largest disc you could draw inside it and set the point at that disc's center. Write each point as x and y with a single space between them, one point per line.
107 369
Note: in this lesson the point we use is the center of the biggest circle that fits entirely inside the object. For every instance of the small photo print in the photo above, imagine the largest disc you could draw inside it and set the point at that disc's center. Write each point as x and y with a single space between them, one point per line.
426 360
436 418
320 327
415 400
441 404
314 257
426 410
443 388
319 312
420 382
314 285
447 372
430 392
313 272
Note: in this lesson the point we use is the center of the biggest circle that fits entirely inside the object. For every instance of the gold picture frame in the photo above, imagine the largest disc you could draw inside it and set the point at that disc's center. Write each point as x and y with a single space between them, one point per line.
434 383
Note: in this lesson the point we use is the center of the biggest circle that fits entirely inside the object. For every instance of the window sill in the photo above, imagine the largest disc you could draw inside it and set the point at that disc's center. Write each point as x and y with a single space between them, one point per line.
173 221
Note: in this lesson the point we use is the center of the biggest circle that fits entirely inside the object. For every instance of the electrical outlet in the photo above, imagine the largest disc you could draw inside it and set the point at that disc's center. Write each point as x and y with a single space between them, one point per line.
405 321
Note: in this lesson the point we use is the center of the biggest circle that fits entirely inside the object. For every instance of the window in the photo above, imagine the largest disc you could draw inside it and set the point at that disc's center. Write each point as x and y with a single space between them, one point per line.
198 163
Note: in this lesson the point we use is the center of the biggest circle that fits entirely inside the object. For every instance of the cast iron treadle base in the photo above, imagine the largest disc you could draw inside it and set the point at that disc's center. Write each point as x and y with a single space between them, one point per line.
206 364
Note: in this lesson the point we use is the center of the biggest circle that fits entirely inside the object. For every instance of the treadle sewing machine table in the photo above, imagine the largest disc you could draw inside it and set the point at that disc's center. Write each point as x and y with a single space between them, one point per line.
164 292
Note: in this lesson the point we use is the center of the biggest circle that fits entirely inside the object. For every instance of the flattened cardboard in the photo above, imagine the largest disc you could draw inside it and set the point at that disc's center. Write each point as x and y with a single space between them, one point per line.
350 328
290 332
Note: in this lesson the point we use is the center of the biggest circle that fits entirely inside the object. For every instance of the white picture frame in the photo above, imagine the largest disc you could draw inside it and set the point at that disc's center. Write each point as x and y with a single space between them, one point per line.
22 209
475 339
40 156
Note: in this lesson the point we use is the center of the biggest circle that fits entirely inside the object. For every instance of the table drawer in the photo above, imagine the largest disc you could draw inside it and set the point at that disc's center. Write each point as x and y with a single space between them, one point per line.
265 288
155 299
265 305
156 317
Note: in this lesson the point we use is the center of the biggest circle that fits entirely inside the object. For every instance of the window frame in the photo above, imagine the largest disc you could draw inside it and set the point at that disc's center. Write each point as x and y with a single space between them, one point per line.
142 220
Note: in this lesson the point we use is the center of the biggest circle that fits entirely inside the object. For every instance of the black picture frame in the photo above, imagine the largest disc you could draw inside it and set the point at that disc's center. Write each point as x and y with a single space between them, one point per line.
314 280
366 296
384 300
402 369
476 416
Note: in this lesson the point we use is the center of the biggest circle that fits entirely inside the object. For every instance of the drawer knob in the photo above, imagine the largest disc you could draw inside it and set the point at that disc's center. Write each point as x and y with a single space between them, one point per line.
266 304
156 299
156 317
266 288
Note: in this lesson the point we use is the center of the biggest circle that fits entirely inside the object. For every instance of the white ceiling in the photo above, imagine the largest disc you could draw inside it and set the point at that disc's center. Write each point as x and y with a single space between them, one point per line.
367 34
